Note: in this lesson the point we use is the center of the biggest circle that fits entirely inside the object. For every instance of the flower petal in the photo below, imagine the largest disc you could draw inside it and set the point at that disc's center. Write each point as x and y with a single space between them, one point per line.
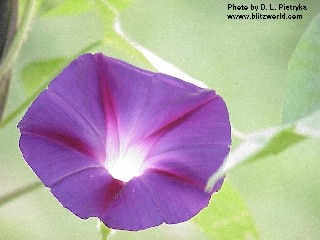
133 208
195 147
144 101
155 198
177 199
70 108
88 192
52 160
79 86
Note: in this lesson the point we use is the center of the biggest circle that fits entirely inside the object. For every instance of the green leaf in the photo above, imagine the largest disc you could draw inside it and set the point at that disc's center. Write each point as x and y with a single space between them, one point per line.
118 5
262 144
46 6
303 94
227 217
39 72
65 8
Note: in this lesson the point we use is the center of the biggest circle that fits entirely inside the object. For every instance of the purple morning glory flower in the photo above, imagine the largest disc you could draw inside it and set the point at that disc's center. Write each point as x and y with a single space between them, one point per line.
129 146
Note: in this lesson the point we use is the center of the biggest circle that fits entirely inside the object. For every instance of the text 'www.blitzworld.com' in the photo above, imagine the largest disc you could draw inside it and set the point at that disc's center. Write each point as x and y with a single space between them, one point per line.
266 11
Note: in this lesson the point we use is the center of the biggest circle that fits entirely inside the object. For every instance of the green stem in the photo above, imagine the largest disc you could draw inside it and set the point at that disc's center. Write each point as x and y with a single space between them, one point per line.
19 192
13 52
238 134
104 230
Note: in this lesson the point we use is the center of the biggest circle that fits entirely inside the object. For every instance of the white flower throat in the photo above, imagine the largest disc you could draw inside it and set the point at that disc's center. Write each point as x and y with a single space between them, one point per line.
126 163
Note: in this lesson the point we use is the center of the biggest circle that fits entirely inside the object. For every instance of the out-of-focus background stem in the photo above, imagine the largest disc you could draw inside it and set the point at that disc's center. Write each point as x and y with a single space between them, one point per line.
8 23
19 192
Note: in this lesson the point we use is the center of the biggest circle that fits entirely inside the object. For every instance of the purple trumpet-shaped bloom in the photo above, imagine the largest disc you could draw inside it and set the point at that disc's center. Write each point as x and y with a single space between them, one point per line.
129 146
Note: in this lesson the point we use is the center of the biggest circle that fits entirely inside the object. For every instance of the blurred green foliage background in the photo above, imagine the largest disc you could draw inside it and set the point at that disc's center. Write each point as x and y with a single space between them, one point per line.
245 61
